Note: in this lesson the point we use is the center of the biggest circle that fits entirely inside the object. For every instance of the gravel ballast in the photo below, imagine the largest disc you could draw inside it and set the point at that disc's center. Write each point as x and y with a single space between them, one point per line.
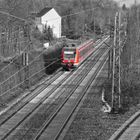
91 123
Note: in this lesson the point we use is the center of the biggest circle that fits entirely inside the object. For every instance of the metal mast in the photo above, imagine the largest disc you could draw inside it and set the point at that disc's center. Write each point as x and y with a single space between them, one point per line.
113 65
116 66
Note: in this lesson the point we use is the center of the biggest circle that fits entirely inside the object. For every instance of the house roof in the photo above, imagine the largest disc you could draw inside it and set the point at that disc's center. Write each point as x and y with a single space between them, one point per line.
43 11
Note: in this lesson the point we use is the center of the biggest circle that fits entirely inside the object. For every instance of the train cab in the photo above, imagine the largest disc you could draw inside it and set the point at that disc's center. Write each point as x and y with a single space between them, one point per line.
68 57
73 56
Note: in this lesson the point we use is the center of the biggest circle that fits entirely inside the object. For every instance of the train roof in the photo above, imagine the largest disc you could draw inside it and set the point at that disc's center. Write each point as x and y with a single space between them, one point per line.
73 45
86 42
69 48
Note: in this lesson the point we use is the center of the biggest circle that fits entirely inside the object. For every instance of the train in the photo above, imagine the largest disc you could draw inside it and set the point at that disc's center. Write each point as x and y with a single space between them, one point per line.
73 56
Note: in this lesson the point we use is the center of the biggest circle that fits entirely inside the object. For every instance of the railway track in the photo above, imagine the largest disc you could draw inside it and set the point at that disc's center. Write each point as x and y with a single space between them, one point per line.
11 110
17 125
130 130
56 124
27 98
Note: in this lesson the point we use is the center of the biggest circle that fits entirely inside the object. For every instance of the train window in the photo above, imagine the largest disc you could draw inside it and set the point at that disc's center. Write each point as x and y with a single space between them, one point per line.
84 51
69 53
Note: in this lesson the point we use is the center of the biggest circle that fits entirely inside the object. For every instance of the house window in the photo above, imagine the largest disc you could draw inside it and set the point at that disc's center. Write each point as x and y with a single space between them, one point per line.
38 20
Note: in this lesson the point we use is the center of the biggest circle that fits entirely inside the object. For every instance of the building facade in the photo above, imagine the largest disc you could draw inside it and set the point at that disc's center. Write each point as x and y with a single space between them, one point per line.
48 17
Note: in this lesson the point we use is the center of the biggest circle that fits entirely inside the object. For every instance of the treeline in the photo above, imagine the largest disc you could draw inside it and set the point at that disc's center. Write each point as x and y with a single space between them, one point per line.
130 59
132 50
85 16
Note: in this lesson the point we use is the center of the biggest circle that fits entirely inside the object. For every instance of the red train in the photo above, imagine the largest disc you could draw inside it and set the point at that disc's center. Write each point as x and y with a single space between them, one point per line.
74 56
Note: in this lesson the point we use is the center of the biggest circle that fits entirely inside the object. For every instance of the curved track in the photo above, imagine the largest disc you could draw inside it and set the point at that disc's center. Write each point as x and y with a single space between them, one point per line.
130 130
25 122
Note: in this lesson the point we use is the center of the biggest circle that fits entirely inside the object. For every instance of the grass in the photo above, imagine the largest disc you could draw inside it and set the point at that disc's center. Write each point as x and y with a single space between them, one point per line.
92 123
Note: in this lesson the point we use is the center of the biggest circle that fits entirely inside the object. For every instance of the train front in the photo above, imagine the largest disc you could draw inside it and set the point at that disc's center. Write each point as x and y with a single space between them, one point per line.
68 57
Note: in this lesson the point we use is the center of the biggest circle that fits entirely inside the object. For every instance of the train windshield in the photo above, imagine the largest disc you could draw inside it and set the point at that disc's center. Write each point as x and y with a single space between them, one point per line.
69 53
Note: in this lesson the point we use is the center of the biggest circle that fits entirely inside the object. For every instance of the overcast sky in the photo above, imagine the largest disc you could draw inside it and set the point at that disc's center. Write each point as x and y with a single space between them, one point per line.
127 2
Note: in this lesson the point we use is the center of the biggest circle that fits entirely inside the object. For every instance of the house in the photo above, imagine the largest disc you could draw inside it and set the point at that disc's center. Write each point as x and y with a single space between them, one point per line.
48 17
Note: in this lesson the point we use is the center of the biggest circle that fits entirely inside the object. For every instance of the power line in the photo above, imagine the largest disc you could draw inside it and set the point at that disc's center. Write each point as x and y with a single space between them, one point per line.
11 61
5 13
42 51
25 20
25 48
23 67
29 77
6 43
82 11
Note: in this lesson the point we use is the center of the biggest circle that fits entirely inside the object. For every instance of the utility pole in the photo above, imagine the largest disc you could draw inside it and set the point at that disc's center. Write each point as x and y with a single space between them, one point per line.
113 64
138 36
119 59
116 68
110 51
109 63
26 54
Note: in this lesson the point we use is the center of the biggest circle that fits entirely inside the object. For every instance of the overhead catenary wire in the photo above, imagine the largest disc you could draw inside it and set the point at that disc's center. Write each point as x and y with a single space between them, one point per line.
29 77
52 19
23 67
22 19
2 12
76 13
26 21
7 43
17 55
12 42
8 14
10 62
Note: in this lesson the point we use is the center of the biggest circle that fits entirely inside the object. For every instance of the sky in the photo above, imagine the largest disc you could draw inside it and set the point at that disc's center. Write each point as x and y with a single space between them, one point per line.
127 2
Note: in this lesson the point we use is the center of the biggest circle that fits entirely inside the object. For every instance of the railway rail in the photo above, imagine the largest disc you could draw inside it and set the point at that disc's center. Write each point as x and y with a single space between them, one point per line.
19 124
6 114
11 110
130 130
54 127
